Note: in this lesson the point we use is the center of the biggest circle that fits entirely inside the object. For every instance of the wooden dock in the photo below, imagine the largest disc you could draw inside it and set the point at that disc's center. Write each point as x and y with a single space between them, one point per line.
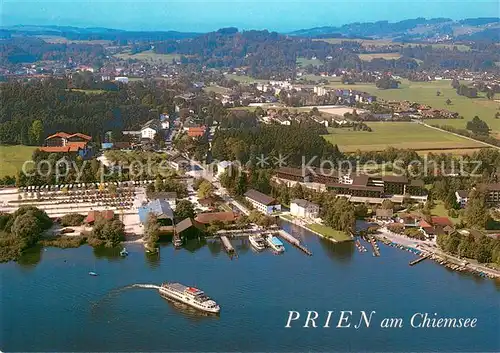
294 241
376 249
420 259
227 245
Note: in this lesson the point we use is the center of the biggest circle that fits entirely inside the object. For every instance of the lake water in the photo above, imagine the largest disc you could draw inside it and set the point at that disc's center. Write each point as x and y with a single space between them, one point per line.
50 303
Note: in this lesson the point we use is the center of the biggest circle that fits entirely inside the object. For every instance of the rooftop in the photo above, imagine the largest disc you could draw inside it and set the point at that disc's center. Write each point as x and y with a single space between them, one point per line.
206 218
260 197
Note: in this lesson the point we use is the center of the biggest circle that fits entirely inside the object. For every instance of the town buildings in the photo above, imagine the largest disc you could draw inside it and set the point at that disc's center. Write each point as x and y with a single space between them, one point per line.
462 197
150 129
262 202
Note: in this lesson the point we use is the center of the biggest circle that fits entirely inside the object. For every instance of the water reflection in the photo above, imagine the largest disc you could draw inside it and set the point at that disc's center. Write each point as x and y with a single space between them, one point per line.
112 254
342 252
31 257
193 245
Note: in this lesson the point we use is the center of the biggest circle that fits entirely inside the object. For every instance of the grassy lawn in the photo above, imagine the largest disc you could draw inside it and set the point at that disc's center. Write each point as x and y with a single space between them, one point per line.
304 62
216 89
149 56
439 210
425 93
386 56
13 157
244 78
396 134
88 91
329 232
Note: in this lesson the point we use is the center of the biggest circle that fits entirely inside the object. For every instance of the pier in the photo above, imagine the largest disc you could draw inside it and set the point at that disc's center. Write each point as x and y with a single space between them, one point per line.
227 245
420 259
373 242
294 241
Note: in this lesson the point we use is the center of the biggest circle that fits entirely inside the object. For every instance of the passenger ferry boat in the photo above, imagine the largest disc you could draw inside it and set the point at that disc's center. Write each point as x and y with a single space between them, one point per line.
275 244
257 242
191 296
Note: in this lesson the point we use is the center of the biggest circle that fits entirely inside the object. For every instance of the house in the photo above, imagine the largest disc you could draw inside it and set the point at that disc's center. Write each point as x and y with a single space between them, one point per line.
409 221
160 208
441 221
186 227
262 202
150 129
209 217
179 163
383 214
492 193
462 197
92 216
428 230
222 166
164 120
167 196
198 131
62 142
304 208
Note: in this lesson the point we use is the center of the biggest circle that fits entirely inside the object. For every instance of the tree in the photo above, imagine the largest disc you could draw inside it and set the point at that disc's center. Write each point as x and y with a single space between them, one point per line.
107 232
490 94
297 192
36 133
184 209
205 190
476 212
152 230
361 211
26 228
241 185
438 93
478 126
448 101
387 204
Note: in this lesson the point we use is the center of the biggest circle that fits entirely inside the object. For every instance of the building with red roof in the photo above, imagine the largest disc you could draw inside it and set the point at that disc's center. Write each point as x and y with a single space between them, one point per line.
92 216
62 142
196 131
208 217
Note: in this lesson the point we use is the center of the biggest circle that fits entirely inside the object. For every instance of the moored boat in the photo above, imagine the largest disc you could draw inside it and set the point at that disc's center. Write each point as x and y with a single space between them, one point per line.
177 242
275 244
257 242
191 296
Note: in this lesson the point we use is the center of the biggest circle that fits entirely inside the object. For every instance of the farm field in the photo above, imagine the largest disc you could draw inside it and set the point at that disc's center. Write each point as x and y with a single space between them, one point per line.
59 40
404 135
304 62
425 93
383 42
149 56
13 157
244 78
216 89
386 56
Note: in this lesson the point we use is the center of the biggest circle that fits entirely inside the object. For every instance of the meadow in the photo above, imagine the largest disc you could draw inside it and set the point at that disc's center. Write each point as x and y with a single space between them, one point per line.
405 135
13 157
149 56
384 42
304 62
386 56
426 93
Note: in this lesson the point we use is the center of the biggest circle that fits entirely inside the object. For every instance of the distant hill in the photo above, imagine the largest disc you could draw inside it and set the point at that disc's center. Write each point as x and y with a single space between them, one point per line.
93 33
418 28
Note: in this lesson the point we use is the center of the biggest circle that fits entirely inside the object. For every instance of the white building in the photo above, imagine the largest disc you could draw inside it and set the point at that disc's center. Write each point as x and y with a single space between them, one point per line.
262 203
320 91
222 167
303 208
462 197
150 129
121 79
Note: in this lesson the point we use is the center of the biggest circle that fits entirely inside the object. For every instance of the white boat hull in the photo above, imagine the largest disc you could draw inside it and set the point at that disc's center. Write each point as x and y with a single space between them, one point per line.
256 245
191 303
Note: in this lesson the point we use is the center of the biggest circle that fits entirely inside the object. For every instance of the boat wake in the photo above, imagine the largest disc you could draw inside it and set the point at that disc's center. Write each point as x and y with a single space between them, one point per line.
147 286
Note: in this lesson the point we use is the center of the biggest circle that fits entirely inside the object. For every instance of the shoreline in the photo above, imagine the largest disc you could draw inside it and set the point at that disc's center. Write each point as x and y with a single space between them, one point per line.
299 224
437 255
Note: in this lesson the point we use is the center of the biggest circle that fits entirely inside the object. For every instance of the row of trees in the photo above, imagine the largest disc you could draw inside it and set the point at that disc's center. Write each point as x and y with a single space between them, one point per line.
481 248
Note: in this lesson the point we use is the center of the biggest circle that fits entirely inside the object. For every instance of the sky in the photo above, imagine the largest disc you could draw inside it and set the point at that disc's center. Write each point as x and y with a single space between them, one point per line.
205 15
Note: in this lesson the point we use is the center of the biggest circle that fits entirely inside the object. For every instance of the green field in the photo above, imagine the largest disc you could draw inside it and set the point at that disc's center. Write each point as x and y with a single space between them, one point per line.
386 56
329 232
383 42
58 40
217 89
304 62
425 93
149 56
244 78
13 157
405 135
441 211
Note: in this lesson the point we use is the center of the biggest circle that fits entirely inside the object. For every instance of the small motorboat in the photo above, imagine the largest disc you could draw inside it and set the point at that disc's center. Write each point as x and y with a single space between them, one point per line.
124 252
92 273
